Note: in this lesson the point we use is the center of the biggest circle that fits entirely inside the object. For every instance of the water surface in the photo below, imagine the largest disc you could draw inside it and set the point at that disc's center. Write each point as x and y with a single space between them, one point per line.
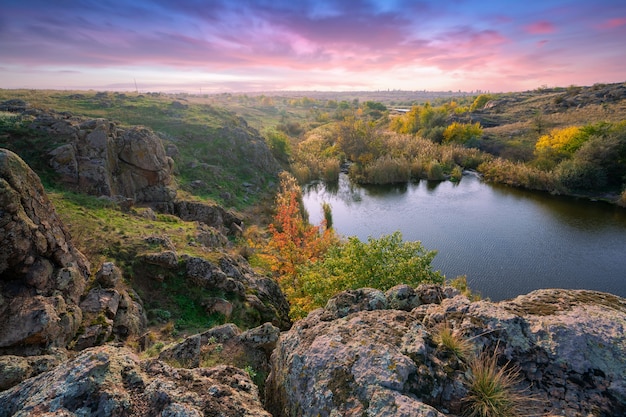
506 241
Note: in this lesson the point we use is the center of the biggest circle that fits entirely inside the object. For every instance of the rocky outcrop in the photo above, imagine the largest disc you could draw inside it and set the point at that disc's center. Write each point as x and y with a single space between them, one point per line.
258 298
109 381
364 357
98 157
103 159
42 275
252 347
111 311
213 215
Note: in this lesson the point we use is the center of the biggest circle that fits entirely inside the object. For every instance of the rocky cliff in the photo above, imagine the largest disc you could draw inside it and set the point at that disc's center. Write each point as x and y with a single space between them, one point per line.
110 381
99 157
370 353
42 275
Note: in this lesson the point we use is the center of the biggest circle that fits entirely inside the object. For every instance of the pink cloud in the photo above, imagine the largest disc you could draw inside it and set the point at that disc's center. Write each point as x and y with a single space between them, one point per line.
613 23
542 27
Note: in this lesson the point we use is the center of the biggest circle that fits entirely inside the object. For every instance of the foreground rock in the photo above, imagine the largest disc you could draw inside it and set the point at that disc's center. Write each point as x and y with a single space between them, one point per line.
109 381
359 356
42 275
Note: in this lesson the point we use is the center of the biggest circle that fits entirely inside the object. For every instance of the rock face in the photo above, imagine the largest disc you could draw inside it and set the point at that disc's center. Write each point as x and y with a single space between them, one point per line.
226 344
103 159
367 358
212 215
42 275
257 296
111 311
109 381
98 157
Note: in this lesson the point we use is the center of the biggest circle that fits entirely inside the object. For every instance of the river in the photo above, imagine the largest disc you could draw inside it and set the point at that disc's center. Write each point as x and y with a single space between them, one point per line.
506 241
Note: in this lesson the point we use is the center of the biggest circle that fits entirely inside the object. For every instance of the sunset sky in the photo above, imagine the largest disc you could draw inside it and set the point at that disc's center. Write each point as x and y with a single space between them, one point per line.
262 45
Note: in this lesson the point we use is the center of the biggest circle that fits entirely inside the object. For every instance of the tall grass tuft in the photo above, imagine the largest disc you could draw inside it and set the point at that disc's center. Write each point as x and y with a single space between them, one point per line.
387 170
453 341
492 390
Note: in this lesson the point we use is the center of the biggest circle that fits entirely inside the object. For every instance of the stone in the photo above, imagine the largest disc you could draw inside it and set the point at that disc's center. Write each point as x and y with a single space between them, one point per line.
402 297
109 275
262 337
350 359
103 159
111 381
218 305
352 301
105 301
15 369
166 259
184 354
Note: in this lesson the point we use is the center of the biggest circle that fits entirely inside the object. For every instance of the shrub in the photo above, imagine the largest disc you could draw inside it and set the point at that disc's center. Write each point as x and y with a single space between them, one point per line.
278 142
480 101
581 175
434 171
518 174
462 132
378 263
457 174
330 169
387 170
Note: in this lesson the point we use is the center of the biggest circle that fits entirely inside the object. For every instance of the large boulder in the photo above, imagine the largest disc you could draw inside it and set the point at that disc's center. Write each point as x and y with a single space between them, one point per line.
568 346
258 299
111 311
110 381
100 158
42 275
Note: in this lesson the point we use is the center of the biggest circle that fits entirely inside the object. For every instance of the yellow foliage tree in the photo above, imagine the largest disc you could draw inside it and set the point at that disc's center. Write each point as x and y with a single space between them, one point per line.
561 140
462 132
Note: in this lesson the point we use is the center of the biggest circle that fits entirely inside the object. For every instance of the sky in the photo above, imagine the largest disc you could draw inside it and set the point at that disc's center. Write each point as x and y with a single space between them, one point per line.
214 46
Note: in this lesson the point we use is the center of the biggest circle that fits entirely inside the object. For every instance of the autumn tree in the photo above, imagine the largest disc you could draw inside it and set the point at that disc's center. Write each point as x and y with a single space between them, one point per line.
480 101
358 140
293 240
462 133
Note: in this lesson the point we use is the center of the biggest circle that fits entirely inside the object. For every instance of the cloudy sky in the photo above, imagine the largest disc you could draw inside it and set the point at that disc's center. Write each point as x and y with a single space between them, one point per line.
261 45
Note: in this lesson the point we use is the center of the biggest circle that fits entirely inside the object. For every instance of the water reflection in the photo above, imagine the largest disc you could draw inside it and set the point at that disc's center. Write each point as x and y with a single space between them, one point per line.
507 241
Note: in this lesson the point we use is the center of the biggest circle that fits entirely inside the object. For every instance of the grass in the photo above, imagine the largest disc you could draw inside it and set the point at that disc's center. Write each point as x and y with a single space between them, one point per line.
493 390
218 151
453 341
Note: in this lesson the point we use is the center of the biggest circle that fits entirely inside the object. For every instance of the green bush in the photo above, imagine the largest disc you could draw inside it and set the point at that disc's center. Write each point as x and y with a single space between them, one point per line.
581 175
378 263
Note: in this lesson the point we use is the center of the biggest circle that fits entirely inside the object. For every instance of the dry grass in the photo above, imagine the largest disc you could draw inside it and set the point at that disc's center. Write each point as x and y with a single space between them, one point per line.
492 390
453 341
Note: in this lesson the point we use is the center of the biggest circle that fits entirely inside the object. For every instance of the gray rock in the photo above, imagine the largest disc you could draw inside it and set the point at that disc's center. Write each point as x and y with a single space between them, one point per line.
46 273
166 259
109 275
105 301
352 301
402 297
569 348
111 381
184 354
102 159
262 337
218 305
